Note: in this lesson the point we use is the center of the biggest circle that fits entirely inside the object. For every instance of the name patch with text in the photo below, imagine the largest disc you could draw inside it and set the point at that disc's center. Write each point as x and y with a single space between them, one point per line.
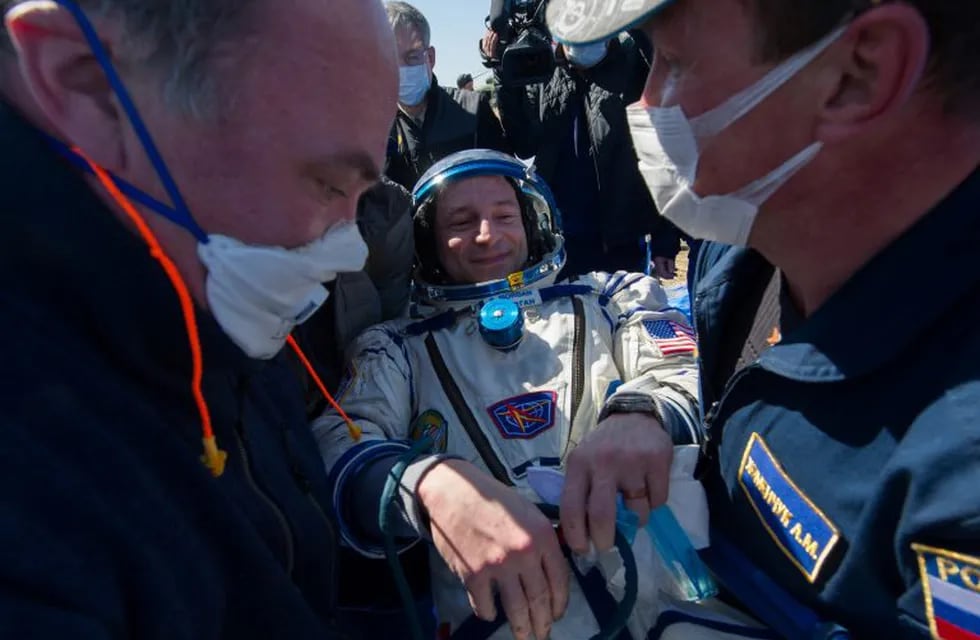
797 526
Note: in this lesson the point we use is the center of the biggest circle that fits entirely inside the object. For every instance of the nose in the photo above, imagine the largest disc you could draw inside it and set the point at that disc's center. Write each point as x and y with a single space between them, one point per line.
653 90
485 235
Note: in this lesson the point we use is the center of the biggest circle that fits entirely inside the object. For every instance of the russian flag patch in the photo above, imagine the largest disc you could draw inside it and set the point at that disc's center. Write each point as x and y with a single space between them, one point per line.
951 586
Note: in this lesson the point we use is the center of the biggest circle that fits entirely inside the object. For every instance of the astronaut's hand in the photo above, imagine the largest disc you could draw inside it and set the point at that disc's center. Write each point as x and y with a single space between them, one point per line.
629 453
495 539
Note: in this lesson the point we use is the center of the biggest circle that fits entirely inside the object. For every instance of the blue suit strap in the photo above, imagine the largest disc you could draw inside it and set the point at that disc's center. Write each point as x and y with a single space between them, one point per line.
437 322
765 599
448 318
564 290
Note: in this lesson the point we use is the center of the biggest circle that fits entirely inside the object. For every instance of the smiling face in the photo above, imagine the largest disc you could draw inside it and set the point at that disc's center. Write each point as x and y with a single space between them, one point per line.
479 230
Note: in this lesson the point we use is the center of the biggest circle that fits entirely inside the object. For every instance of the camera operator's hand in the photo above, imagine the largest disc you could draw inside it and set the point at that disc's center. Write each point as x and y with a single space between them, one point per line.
489 44
491 536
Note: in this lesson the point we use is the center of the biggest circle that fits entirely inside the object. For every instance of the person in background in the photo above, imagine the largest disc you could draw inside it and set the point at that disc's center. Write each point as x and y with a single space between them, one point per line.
464 81
431 121
173 200
575 127
821 148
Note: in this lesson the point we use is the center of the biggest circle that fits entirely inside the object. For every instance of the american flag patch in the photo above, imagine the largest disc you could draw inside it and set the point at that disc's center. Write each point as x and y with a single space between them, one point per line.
951 586
672 338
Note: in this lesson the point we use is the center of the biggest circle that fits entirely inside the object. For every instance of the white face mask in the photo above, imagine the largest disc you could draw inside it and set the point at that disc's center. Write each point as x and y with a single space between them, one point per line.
586 56
413 84
258 294
667 142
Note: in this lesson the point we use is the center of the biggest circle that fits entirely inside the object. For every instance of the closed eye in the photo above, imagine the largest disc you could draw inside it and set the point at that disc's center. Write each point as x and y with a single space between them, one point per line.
329 191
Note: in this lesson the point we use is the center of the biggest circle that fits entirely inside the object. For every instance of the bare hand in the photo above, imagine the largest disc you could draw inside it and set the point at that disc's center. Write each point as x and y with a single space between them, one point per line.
629 453
491 536
490 42
664 268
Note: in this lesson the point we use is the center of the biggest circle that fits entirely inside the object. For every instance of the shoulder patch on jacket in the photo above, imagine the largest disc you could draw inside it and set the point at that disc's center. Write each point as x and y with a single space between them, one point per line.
431 424
672 338
951 587
525 416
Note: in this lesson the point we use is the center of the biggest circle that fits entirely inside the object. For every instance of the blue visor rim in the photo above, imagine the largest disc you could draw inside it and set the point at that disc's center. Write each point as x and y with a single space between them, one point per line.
485 167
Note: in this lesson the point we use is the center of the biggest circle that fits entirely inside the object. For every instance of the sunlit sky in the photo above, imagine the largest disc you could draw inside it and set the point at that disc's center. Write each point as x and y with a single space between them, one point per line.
457 26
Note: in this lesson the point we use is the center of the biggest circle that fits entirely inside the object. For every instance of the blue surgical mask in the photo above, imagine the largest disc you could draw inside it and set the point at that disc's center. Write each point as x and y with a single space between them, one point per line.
413 84
586 55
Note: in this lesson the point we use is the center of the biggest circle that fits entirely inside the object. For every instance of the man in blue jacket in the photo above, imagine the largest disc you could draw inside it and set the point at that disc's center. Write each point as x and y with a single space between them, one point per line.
179 179
836 145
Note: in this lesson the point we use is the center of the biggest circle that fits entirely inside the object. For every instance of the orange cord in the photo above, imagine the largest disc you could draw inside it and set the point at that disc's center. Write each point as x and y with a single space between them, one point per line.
214 458
352 428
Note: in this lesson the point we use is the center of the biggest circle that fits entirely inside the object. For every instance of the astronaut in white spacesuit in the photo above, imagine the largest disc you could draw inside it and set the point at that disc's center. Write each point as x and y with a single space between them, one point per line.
504 370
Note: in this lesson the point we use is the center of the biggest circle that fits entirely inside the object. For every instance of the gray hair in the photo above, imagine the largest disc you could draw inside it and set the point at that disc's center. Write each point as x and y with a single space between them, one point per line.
403 14
178 39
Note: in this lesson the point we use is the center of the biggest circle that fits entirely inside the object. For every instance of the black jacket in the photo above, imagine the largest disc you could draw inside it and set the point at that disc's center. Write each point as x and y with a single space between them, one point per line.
110 526
455 120
537 118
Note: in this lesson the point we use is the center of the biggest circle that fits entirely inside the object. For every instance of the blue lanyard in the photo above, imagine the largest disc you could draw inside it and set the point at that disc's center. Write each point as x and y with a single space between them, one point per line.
179 213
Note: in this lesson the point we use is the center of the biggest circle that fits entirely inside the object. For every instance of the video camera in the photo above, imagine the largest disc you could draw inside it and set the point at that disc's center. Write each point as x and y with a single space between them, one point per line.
524 55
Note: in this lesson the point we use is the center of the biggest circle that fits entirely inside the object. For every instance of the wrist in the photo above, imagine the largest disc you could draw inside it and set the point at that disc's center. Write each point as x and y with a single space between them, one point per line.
631 403
444 472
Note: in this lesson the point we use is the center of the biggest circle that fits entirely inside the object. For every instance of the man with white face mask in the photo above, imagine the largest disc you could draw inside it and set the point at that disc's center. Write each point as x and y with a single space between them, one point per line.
835 144
173 203
432 122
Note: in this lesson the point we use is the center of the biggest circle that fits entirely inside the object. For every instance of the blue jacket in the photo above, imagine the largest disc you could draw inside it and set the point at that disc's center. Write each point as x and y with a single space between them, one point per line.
110 526
858 435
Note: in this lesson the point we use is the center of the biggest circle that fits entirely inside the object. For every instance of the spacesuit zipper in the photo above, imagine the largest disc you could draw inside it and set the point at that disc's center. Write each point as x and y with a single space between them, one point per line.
462 410
263 496
578 359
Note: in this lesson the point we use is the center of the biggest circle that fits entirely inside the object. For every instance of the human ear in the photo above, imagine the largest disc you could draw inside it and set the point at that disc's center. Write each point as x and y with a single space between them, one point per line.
883 57
66 81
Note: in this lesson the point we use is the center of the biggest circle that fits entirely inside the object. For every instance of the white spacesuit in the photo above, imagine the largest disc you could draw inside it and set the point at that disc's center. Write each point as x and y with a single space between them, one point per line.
509 374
